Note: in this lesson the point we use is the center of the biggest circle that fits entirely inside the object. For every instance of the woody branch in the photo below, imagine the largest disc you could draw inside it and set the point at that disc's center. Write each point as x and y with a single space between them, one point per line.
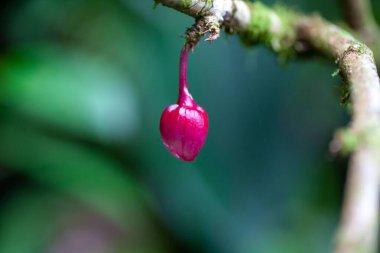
289 33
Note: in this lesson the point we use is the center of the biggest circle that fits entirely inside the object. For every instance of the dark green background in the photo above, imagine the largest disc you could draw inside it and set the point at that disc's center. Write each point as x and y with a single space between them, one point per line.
82 167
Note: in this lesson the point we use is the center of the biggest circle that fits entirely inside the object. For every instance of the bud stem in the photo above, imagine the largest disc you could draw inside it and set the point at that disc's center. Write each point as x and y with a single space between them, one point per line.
184 97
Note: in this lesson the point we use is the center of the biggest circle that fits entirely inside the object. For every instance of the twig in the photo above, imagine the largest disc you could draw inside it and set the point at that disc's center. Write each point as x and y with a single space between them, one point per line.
287 32
359 16
358 228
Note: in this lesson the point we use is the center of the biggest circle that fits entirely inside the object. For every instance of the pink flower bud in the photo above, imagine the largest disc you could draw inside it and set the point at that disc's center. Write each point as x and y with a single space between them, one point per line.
184 125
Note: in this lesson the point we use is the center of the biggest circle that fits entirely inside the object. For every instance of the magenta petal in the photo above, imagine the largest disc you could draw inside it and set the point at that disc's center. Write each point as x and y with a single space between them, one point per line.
184 130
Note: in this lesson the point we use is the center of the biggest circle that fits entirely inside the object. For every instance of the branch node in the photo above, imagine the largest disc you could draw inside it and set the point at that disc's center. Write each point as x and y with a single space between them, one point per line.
205 24
347 140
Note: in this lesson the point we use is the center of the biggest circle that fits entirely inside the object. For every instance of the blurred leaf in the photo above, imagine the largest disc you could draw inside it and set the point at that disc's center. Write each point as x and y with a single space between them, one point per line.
68 89
83 173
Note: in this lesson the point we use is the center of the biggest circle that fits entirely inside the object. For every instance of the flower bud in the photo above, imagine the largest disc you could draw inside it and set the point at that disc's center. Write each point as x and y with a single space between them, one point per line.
184 125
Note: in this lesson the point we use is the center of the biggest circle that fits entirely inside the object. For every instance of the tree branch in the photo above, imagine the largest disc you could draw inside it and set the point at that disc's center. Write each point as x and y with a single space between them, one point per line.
290 33
358 229
359 16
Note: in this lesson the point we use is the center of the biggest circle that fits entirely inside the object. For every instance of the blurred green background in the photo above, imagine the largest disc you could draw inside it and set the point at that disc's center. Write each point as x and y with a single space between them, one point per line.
82 166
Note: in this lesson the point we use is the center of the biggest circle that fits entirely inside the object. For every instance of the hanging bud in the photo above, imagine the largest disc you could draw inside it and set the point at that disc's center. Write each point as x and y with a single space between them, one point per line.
184 125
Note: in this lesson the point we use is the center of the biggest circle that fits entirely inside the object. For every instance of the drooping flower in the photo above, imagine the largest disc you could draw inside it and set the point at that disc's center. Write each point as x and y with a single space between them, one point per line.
184 125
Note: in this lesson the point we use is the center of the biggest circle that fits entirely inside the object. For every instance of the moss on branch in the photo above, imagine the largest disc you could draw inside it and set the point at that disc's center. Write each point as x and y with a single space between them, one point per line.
274 27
